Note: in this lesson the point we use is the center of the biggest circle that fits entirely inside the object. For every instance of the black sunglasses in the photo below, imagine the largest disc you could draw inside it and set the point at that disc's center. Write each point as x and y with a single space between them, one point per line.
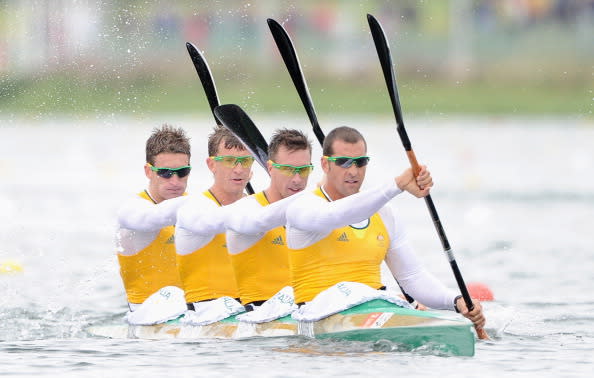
168 172
347 161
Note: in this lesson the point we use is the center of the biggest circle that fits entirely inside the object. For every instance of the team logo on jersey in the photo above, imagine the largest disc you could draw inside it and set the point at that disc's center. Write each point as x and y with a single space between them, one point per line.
278 240
381 240
171 240
343 237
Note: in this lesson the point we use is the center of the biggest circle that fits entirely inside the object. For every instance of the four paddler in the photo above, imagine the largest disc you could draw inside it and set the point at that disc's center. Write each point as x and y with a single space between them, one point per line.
334 234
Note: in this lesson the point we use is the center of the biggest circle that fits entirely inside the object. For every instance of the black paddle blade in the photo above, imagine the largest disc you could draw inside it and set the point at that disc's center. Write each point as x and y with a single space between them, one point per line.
239 123
385 58
205 75
289 55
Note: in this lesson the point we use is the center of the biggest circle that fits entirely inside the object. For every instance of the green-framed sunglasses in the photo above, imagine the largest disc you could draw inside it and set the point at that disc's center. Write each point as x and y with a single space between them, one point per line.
291 170
168 172
231 161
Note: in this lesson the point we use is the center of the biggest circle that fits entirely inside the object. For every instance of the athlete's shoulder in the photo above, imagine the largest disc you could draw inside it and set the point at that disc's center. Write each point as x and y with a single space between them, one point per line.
132 202
197 203
252 199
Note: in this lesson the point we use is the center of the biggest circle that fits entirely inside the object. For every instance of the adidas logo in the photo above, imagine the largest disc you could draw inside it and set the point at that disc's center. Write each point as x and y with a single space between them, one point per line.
343 237
171 240
278 240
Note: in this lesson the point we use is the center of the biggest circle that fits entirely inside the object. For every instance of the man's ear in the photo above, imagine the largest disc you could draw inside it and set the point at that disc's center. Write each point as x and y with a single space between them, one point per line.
325 164
210 163
147 171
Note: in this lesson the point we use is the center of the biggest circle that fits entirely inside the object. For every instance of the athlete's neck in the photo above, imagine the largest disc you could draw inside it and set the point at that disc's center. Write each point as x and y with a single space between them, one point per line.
225 198
325 193
331 192
153 198
272 195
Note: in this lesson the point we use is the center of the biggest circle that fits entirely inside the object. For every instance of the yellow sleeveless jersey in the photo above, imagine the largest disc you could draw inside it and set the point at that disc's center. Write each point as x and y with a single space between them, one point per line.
152 268
207 272
263 269
346 254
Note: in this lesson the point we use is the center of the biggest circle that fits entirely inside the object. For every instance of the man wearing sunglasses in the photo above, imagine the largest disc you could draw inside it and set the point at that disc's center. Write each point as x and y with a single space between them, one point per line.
202 257
353 232
255 228
144 238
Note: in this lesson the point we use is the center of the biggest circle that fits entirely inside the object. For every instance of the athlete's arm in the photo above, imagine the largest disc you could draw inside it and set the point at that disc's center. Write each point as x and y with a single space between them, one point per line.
139 214
201 216
198 222
314 214
247 216
408 270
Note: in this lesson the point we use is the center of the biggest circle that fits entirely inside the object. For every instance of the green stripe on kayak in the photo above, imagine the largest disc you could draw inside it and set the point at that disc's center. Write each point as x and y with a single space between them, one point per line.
380 305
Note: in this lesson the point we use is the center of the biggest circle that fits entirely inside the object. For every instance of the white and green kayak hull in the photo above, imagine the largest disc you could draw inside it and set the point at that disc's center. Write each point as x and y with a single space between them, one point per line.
373 321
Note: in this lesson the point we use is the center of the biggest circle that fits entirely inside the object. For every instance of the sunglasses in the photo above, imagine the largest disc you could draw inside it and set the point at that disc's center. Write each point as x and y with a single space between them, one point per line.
347 161
168 172
231 161
291 170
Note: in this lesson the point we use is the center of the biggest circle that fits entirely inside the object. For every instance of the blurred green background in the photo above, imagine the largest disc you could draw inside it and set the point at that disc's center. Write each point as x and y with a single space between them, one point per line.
93 58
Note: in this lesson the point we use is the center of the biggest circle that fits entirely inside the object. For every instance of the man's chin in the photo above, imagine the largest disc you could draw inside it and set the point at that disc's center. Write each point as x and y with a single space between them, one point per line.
173 194
235 186
351 189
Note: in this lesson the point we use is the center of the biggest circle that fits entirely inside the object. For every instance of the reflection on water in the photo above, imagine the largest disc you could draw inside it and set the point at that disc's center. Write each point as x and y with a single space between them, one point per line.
516 200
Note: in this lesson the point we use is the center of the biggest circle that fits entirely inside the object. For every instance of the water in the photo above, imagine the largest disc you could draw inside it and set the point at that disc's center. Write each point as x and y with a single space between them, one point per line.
516 198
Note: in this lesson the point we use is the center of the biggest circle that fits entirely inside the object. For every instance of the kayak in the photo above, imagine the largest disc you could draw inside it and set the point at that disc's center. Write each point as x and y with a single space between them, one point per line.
374 321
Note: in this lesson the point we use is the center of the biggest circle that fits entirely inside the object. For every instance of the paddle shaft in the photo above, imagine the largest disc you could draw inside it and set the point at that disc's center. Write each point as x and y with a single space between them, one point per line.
441 233
383 52
208 85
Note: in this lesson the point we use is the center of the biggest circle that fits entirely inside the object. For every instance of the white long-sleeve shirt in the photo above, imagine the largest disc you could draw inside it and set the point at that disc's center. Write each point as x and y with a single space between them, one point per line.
199 220
311 218
247 221
140 221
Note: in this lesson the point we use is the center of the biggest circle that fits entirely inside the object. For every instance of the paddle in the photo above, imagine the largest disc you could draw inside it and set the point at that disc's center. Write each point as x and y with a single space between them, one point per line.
289 55
383 52
239 123
208 85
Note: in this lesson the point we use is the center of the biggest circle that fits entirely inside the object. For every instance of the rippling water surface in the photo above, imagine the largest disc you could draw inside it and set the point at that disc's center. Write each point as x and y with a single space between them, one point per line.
516 198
